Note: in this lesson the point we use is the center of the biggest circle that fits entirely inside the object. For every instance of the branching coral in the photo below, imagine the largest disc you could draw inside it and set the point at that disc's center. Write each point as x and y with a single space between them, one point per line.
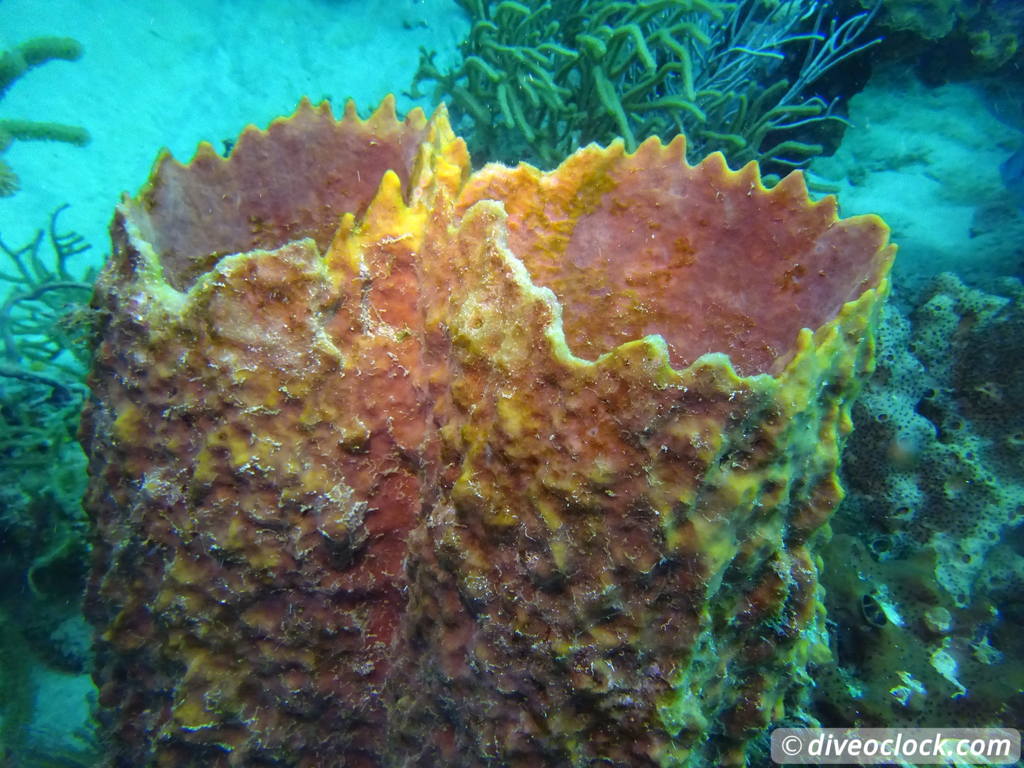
538 79
42 477
14 63
43 318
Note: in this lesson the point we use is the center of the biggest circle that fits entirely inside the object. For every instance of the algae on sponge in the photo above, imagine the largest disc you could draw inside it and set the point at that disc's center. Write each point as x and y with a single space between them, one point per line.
524 451
13 64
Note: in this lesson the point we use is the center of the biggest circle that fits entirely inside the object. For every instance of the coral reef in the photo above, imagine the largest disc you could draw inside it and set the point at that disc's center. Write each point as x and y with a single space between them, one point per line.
537 79
44 549
14 63
35 730
43 320
930 19
952 39
929 605
16 705
396 464
44 332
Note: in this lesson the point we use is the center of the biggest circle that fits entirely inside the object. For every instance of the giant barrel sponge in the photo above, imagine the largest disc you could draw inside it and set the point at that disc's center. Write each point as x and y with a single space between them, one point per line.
397 464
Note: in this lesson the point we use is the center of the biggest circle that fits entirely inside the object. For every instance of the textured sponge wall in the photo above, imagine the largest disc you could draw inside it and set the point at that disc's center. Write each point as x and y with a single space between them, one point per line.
402 494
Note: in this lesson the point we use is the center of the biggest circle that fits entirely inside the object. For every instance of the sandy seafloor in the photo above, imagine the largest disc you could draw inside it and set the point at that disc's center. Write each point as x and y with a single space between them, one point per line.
171 74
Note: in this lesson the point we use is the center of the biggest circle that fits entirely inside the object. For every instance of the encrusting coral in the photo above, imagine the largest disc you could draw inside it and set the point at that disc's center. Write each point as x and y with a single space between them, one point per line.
931 529
953 39
395 464
13 64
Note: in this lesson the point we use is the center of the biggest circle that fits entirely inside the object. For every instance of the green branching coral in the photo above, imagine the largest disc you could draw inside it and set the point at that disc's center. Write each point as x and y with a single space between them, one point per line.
43 332
13 64
539 78
44 547
43 317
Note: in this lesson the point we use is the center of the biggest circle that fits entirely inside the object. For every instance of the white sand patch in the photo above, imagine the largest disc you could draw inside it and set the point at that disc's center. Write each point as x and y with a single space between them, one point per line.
172 74
928 161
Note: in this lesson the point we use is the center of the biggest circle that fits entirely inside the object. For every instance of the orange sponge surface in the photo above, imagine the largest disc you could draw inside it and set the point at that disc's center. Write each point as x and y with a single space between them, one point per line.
393 463
704 256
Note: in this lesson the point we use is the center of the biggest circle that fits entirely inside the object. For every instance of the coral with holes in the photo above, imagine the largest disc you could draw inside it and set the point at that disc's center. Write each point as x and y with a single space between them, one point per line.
932 528
395 464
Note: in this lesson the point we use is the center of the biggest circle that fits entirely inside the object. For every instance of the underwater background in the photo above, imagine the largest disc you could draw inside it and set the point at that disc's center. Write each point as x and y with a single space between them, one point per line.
918 116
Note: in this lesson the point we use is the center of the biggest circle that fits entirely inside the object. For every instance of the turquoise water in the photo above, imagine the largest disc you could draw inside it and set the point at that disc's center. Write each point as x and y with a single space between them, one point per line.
916 117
